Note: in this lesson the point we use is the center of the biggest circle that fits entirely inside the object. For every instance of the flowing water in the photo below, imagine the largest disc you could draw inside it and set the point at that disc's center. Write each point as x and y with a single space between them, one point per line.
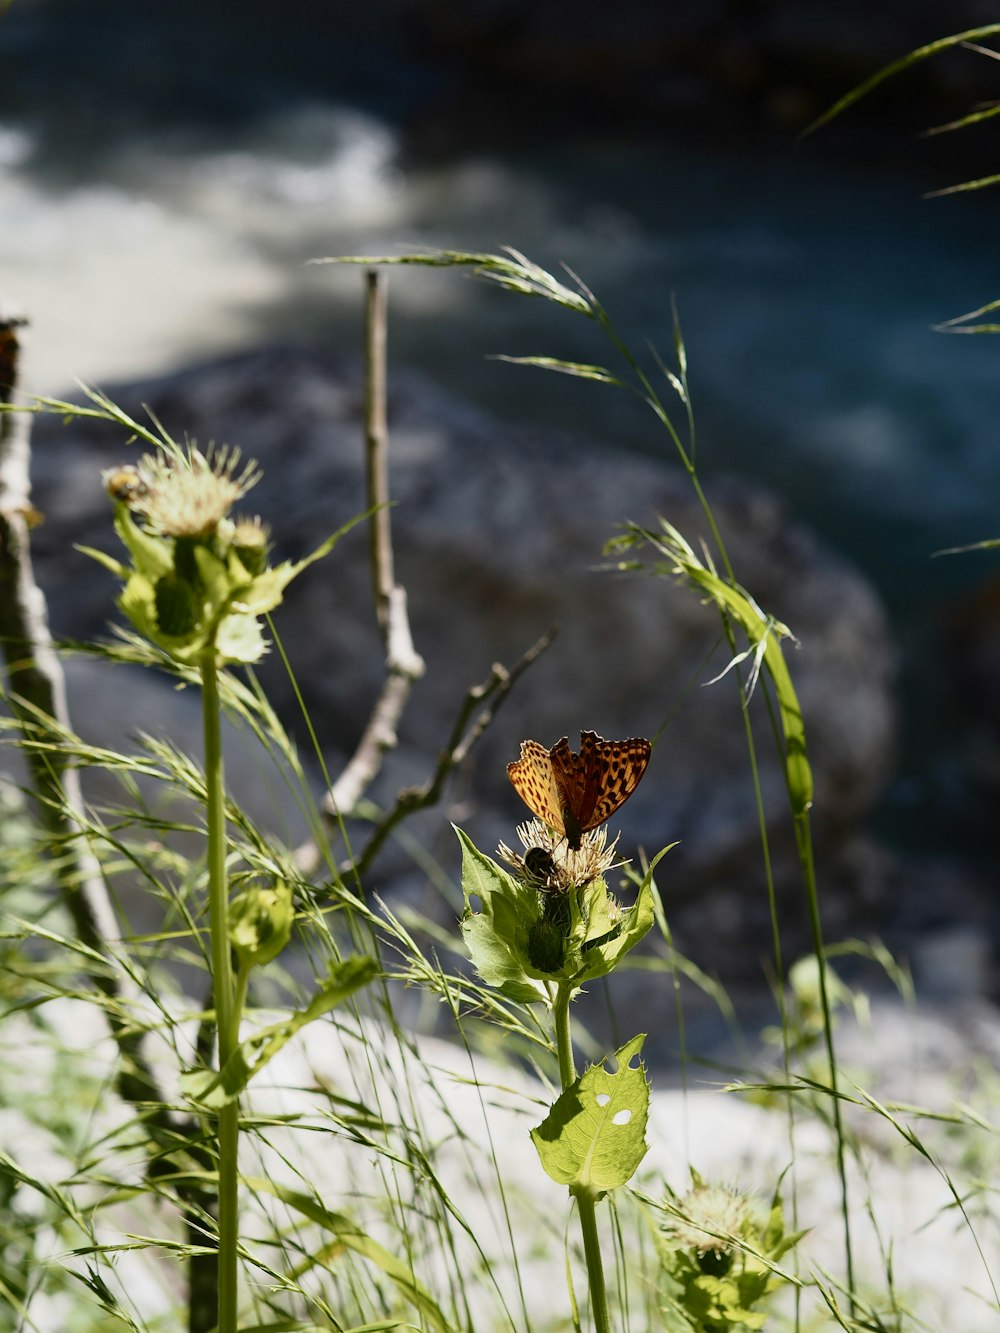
150 217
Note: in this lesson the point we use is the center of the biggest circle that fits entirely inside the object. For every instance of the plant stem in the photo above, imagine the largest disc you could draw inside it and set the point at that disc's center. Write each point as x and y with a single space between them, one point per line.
226 1010
564 1038
585 1200
585 1203
803 838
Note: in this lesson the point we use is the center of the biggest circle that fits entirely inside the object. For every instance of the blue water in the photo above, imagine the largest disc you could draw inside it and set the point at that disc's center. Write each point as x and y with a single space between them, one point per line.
164 178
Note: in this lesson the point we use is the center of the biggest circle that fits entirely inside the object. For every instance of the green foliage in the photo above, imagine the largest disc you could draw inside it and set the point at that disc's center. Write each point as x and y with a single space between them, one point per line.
719 1261
497 932
345 1233
804 1017
969 40
214 1089
260 923
518 943
184 597
376 1255
764 634
593 1138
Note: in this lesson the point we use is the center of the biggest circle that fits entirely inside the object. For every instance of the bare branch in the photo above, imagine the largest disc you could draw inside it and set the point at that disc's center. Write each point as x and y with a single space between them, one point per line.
466 730
377 443
37 697
404 665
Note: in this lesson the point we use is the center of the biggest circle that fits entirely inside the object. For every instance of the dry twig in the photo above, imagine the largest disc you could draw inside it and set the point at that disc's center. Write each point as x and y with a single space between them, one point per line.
404 665
36 694
464 735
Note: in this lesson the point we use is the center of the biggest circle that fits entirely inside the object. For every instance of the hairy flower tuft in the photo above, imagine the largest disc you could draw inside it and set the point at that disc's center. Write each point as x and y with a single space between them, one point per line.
188 495
550 865
709 1220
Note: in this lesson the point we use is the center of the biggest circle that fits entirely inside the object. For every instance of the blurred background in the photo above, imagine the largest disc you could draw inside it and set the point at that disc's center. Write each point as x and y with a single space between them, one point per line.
167 171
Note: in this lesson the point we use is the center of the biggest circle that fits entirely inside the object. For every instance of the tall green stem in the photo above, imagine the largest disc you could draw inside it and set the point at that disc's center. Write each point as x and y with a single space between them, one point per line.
585 1200
803 837
226 1008
564 1038
586 1206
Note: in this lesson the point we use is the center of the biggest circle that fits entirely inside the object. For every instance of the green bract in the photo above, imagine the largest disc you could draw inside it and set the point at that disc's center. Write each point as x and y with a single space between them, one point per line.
518 942
188 594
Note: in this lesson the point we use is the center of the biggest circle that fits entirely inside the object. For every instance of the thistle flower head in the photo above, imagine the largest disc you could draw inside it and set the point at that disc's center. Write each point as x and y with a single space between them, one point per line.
708 1220
549 864
188 494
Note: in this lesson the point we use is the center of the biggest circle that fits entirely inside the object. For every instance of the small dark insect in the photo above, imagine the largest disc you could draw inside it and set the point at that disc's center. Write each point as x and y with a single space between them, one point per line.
539 863
124 483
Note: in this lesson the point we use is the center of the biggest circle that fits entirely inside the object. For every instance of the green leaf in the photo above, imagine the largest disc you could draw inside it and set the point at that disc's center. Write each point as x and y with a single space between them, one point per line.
990 544
213 1088
496 934
580 369
260 923
887 71
116 567
240 638
347 1234
152 555
137 601
220 588
594 1136
601 958
981 183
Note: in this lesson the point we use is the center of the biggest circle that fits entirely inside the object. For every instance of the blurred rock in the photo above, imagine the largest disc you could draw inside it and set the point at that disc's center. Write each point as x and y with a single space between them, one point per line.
498 534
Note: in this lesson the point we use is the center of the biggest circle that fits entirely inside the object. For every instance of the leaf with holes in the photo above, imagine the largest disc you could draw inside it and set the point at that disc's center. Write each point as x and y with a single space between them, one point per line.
594 1137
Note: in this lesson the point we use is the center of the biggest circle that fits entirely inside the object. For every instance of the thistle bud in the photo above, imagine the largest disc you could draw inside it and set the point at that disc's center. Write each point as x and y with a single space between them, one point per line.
250 542
546 946
260 923
177 606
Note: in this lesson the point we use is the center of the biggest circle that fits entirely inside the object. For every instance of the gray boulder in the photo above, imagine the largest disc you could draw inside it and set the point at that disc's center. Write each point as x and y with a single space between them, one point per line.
498 534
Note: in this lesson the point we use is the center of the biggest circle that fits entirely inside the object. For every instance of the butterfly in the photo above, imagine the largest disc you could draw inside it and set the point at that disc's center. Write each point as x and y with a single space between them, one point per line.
574 793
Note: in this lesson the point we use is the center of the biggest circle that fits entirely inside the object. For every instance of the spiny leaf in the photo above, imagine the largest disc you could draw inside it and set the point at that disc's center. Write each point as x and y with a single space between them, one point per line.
497 934
594 1136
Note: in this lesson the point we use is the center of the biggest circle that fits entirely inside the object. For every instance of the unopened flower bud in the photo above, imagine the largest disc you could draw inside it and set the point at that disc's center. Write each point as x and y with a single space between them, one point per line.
260 923
177 606
546 946
250 542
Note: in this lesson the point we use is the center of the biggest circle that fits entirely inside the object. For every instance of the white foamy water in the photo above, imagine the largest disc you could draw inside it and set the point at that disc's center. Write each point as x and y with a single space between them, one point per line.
175 252
807 296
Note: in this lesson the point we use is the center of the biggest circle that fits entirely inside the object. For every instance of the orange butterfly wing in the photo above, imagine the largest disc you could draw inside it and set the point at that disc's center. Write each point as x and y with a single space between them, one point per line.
533 779
574 793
